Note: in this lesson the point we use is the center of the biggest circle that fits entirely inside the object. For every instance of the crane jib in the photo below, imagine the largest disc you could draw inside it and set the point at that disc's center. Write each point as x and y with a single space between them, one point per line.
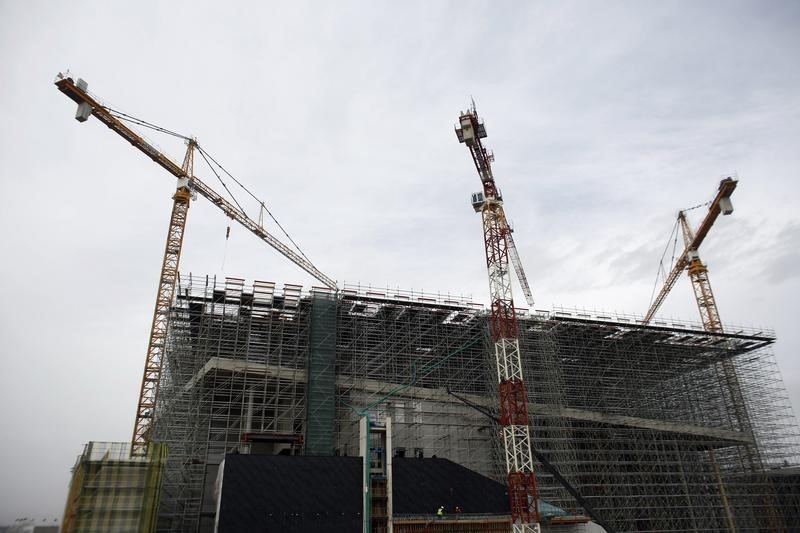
724 192
67 85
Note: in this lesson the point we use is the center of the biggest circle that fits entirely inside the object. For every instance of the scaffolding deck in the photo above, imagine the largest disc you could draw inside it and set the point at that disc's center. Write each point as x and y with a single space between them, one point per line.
637 417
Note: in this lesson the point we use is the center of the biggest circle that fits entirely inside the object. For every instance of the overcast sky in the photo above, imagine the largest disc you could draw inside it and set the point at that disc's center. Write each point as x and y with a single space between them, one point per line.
605 119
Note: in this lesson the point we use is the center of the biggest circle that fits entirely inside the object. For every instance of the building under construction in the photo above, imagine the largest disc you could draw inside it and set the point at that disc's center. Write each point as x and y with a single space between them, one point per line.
640 419
650 426
112 491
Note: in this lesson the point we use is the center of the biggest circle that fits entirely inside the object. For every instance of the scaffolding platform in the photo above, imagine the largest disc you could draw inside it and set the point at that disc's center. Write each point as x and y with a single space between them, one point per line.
639 418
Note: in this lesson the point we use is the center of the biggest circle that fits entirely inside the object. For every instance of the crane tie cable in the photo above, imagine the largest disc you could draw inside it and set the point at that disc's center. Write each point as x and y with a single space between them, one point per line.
128 118
254 197
698 206
674 248
663 254
206 156
203 155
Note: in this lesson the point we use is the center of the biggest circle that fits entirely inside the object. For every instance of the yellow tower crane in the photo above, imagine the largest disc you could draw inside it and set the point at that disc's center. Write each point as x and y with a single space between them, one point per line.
689 260
187 185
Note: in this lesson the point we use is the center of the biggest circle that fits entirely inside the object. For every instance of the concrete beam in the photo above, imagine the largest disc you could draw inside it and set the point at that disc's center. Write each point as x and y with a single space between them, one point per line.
441 395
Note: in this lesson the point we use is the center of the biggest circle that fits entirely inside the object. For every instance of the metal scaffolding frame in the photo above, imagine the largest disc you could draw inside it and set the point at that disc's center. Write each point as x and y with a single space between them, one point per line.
112 491
637 418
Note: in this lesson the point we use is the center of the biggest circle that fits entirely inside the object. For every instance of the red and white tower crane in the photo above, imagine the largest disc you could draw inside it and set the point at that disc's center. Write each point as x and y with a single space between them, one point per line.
504 331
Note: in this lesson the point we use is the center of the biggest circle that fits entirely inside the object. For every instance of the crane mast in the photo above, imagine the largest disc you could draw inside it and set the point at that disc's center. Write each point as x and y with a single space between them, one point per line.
698 274
156 345
187 184
707 305
504 329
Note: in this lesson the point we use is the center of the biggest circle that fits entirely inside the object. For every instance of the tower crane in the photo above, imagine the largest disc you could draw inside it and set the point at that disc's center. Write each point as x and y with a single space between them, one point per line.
187 185
689 260
514 420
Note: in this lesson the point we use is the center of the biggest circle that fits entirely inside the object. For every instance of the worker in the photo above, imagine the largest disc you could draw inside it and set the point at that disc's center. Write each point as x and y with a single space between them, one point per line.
440 511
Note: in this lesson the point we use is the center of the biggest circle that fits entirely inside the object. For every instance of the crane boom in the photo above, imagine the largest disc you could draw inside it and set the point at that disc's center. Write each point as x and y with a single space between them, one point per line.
517 262
88 105
720 204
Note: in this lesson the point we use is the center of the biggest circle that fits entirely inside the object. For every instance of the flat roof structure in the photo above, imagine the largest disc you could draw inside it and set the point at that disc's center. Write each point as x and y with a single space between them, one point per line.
641 419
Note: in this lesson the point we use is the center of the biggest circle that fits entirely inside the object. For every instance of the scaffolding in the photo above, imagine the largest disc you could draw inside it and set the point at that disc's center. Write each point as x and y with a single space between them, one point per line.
112 491
638 418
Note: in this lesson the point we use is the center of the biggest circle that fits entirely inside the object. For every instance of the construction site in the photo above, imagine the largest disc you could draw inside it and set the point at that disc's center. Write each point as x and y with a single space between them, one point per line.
579 421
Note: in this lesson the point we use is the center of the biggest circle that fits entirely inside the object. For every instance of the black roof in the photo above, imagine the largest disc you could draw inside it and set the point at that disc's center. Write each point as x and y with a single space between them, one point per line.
323 494
268 493
420 486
